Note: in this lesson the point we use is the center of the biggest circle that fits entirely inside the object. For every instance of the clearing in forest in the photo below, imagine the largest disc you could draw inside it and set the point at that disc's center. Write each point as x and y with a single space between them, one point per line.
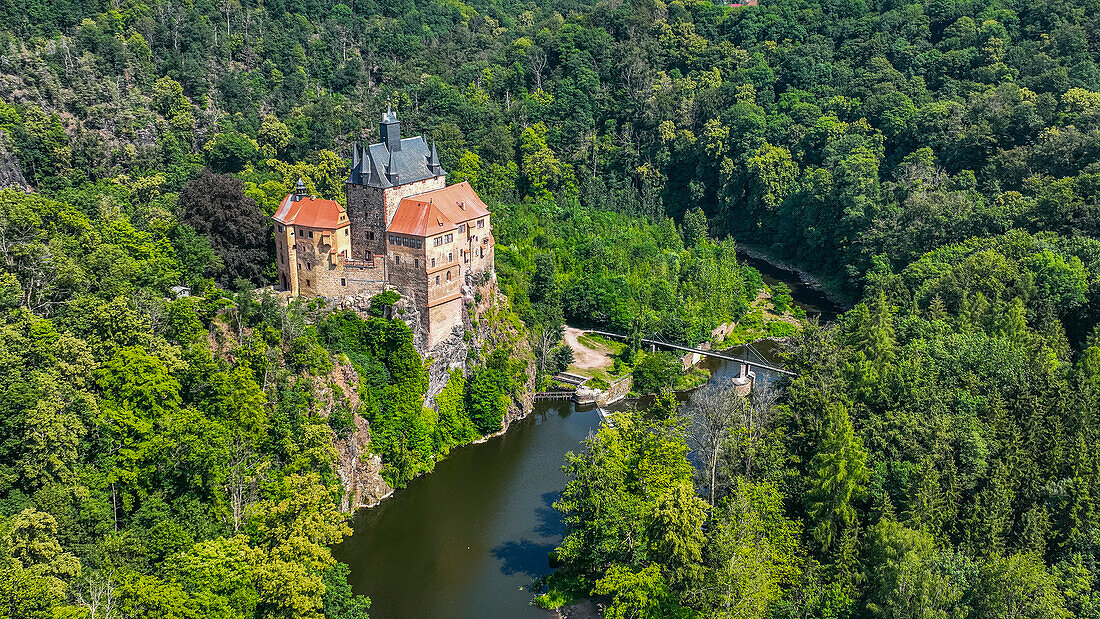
591 353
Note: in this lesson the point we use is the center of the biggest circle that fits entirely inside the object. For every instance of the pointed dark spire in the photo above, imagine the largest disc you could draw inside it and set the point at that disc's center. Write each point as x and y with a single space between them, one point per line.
364 166
375 178
353 171
391 171
433 161
300 190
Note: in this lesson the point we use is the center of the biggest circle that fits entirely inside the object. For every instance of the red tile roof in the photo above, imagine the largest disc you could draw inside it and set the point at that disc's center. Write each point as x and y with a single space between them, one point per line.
437 211
416 218
311 212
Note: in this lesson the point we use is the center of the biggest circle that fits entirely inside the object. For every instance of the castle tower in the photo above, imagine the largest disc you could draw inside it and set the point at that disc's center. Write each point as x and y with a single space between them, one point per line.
380 175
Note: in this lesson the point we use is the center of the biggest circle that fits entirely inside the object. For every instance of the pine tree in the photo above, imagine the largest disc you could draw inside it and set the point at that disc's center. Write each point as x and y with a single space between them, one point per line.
838 476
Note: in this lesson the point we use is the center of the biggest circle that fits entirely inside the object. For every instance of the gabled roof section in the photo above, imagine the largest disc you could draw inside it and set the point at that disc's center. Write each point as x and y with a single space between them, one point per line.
458 202
410 164
311 212
419 219
441 210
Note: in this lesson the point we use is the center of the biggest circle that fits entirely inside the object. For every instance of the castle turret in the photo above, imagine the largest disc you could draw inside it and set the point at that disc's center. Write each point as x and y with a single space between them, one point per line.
433 161
391 170
390 130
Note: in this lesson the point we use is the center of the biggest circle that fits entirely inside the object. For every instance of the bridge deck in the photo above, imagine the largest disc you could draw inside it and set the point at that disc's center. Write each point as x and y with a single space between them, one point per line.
708 353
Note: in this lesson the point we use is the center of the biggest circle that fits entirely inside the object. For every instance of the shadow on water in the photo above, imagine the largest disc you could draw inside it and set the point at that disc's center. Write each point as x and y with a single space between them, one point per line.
528 557
523 557
550 524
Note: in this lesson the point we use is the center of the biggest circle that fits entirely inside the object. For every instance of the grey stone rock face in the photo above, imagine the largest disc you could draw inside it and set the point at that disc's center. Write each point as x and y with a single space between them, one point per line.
11 173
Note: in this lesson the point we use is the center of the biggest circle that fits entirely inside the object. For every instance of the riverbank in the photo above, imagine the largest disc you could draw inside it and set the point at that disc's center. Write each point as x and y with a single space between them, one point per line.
830 289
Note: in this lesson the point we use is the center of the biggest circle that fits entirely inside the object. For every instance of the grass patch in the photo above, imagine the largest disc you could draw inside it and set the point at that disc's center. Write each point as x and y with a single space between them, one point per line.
599 342
780 328
693 379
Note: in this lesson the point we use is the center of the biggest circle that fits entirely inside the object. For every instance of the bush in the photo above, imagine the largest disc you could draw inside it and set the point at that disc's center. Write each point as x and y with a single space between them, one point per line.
342 421
382 300
656 371
781 329
781 298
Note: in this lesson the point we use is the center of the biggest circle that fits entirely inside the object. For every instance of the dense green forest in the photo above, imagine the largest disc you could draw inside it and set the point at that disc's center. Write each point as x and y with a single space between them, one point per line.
939 160
176 457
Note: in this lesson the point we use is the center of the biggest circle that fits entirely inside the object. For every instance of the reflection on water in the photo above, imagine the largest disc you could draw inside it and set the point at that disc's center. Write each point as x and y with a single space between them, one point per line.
468 539
813 300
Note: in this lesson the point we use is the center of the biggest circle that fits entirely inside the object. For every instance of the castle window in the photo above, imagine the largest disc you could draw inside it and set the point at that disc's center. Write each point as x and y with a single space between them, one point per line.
481 223
311 234
397 258
436 280
449 238
437 241
282 229
433 262
346 231
448 275
461 227
416 262
419 243
308 284
309 267
343 282
391 239
370 235
450 257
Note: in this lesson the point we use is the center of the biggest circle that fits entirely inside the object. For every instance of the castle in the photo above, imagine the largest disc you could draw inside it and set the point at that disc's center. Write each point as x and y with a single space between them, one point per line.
403 229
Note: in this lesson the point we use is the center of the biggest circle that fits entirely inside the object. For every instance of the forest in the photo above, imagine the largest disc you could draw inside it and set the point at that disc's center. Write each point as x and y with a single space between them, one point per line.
936 162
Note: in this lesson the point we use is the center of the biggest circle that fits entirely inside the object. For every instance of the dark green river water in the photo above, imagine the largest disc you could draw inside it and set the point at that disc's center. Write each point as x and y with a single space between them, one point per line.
467 540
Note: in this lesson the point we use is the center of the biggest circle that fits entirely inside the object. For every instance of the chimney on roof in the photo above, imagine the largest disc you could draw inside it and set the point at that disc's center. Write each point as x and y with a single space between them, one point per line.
390 130
433 161
391 172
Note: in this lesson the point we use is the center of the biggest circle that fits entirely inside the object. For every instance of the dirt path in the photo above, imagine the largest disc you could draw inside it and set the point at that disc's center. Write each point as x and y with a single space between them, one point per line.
585 358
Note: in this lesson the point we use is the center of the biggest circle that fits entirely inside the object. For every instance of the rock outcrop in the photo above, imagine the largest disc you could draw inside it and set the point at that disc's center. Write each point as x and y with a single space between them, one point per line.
359 470
487 323
11 173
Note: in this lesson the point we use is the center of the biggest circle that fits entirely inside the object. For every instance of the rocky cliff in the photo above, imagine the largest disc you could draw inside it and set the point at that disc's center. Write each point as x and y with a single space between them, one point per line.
487 324
358 469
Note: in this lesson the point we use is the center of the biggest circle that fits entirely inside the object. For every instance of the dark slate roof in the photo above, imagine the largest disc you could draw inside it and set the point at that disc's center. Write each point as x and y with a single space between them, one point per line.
411 164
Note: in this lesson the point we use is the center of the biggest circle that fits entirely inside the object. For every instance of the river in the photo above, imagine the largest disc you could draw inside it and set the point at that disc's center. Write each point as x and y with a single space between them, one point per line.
467 540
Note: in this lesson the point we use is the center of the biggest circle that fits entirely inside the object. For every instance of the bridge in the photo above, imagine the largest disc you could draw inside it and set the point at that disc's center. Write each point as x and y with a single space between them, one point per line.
706 353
